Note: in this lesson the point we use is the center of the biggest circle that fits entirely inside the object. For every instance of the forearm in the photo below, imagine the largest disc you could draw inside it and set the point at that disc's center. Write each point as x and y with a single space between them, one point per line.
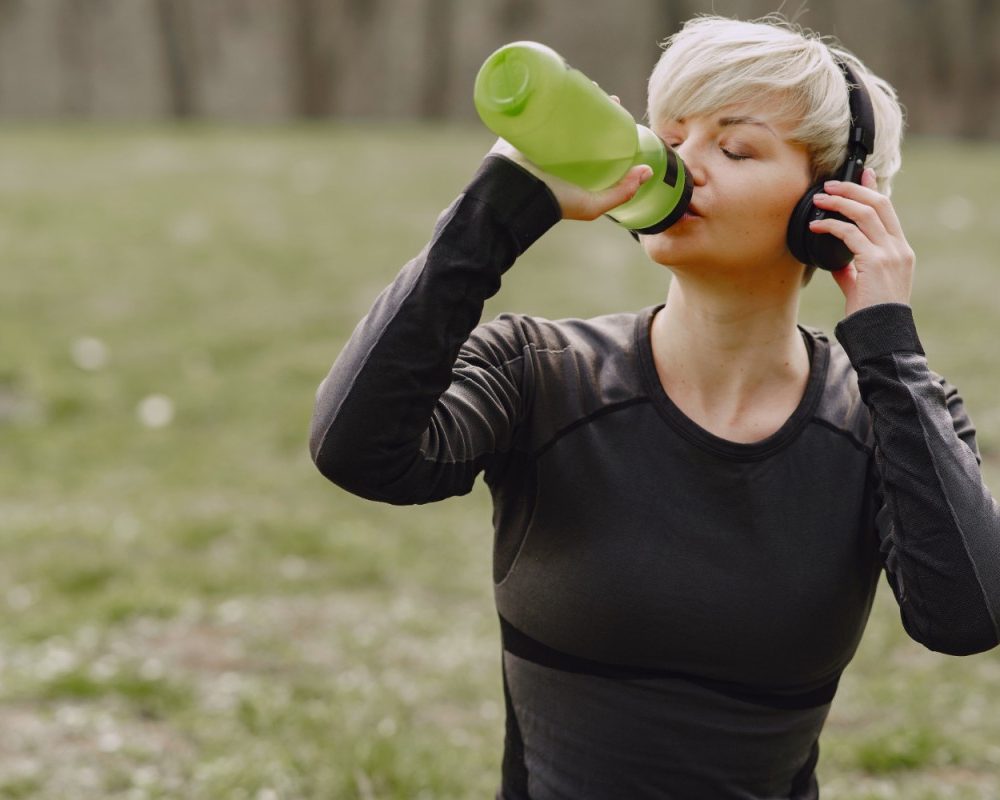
943 524
374 407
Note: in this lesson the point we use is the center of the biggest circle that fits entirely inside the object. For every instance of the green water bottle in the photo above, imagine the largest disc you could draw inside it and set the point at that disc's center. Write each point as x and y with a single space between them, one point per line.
567 126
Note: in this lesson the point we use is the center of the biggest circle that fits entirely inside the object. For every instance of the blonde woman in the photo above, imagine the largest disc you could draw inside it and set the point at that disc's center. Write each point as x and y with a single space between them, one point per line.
693 503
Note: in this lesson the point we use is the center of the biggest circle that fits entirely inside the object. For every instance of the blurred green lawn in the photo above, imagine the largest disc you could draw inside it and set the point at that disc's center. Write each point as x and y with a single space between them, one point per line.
189 610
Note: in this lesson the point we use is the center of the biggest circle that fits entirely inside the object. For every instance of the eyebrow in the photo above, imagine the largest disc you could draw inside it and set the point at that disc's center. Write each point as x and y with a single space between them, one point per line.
725 122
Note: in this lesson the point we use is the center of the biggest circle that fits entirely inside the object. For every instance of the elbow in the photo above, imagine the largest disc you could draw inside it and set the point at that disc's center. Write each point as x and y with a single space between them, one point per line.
962 645
333 458
955 640
335 437
344 464
324 456
334 465
319 454
329 463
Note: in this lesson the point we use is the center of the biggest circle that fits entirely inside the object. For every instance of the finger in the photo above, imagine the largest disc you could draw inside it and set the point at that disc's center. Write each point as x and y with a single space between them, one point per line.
616 98
864 216
625 188
869 195
621 192
849 233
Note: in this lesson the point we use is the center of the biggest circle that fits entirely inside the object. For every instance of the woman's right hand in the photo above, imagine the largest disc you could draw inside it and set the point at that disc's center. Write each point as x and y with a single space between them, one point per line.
575 202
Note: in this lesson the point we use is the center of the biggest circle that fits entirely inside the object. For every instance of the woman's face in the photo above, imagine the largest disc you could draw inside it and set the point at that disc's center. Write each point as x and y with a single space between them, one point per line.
747 178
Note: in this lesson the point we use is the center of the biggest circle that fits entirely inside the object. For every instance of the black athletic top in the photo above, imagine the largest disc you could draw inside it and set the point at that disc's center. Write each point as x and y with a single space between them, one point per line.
676 609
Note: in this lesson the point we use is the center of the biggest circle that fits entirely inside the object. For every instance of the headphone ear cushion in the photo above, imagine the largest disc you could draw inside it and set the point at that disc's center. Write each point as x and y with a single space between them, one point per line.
823 250
798 225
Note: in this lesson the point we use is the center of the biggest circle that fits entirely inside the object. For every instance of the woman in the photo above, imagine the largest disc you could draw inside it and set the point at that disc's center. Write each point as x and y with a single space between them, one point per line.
693 503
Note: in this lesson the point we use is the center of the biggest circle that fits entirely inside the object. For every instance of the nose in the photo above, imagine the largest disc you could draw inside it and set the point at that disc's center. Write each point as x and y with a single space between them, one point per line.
692 161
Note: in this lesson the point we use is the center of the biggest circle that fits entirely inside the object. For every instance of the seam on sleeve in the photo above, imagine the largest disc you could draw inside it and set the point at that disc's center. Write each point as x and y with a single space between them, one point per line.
833 428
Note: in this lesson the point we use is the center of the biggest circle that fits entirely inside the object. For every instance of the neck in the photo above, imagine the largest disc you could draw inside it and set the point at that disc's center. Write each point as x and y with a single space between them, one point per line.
729 342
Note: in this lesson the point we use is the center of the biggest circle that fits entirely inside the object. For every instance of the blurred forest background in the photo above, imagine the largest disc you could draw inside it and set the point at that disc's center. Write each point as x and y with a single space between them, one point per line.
391 59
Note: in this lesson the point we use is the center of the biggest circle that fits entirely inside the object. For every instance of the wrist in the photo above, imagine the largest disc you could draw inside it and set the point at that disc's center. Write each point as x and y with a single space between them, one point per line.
878 330
521 201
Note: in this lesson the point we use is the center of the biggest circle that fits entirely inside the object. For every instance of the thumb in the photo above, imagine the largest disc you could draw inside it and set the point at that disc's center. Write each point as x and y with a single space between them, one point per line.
847 279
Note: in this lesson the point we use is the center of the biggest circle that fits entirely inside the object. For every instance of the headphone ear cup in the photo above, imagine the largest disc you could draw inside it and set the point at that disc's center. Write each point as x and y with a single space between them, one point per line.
798 225
823 250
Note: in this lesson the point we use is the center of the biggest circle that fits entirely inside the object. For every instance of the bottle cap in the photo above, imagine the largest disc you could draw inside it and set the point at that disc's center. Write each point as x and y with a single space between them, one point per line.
507 83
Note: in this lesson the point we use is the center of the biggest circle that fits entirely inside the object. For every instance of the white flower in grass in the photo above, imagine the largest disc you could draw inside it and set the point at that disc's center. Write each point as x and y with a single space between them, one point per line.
145 775
156 411
109 741
20 598
151 669
89 353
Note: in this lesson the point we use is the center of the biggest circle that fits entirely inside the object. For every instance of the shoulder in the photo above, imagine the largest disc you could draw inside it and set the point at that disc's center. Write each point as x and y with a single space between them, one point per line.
840 407
517 335
567 370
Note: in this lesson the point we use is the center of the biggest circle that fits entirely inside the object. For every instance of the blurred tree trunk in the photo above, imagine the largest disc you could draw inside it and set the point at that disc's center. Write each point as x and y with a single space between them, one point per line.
314 74
179 56
438 38
74 21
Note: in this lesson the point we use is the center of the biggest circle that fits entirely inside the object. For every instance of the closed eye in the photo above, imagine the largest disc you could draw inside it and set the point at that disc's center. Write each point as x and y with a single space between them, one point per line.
733 156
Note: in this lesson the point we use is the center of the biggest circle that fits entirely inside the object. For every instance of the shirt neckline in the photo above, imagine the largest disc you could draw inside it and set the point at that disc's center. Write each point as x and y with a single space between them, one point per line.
819 359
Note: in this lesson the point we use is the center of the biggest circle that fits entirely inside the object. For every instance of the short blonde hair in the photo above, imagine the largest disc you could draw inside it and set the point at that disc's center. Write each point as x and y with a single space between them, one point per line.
715 61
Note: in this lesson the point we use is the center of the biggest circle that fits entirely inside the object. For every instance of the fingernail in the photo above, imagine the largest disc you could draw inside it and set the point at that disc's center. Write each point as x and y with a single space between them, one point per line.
646 174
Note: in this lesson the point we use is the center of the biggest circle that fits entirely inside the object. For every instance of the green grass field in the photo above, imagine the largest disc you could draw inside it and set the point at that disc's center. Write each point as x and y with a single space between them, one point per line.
190 611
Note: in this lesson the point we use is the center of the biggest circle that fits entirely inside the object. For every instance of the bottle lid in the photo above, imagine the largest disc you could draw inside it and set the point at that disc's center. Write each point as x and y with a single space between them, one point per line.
507 83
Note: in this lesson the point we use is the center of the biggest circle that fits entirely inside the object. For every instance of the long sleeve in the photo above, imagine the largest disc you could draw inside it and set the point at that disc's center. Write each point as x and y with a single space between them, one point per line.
401 417
939 526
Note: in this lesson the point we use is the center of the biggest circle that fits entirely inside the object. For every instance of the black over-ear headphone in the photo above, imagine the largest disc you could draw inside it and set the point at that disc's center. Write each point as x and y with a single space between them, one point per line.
824 250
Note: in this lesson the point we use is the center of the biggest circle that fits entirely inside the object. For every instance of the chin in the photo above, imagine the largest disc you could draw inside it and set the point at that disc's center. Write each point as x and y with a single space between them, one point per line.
664 250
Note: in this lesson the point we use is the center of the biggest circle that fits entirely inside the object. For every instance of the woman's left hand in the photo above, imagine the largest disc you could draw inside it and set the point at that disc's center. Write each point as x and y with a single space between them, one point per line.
882 270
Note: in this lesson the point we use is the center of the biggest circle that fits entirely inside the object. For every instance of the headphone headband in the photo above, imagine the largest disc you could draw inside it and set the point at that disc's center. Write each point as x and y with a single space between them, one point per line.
861 138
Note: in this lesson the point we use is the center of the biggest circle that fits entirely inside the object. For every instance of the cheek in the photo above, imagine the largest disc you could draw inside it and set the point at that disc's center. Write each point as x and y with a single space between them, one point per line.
759 221
771 210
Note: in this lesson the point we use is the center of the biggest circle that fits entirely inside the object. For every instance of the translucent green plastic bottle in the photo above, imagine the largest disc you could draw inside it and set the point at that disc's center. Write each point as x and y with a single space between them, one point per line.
567 126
